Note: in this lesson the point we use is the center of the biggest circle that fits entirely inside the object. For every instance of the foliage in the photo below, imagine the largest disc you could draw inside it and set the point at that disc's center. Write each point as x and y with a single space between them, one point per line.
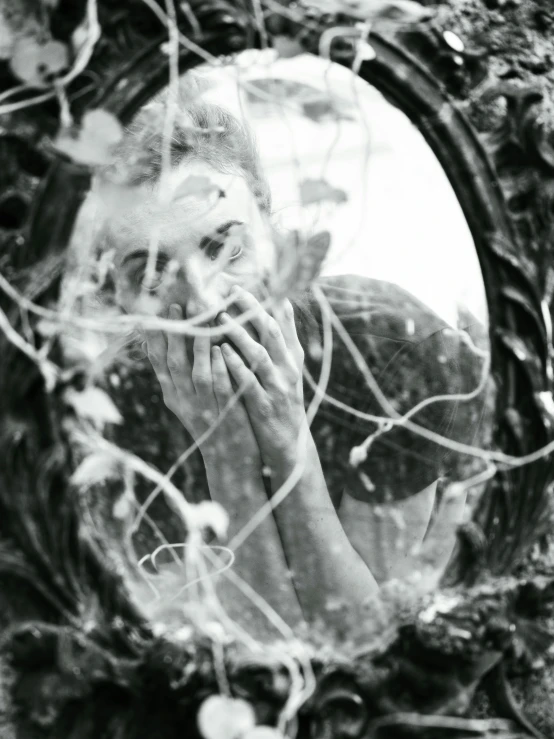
86 660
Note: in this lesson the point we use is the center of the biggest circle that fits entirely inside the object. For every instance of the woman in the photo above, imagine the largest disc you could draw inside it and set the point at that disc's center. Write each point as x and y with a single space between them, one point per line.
328 540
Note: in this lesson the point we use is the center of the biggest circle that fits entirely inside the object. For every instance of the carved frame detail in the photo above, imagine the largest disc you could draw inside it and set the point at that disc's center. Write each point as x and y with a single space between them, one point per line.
491 139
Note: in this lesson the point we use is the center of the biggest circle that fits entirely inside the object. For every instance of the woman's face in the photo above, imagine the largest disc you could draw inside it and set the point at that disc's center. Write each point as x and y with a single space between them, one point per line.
206 233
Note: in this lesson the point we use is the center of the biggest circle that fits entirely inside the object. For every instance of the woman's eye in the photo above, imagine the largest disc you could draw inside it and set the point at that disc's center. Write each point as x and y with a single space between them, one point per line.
215 252
237 251
150 279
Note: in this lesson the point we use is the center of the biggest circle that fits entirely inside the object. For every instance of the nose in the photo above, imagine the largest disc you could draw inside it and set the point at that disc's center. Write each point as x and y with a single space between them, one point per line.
201 297
199 305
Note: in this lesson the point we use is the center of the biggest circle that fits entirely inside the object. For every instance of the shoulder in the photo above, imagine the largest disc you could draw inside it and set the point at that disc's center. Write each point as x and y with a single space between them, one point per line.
413 355
380 308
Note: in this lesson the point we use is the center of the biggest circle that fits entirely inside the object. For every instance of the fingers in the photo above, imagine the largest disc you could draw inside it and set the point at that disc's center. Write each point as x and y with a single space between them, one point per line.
156 345
156 348
266 326
177 360
255 354
223 389
290 335
202 369
254 396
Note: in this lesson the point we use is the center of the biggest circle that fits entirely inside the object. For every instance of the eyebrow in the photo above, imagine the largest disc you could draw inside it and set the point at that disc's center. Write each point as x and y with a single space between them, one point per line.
219 231
137 254
205 241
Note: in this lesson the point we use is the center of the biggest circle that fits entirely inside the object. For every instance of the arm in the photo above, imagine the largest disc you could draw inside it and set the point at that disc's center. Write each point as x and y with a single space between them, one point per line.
389 505
400 539
326 568
199 394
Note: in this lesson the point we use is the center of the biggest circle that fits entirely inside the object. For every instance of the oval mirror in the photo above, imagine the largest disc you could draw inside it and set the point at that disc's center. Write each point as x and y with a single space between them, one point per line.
336 435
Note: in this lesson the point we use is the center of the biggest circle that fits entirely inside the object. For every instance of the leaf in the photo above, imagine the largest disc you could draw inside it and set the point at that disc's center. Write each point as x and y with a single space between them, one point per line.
518 296
95 469
396 12
47 328
94 405
314 103
314 191
125 504
525 356
212 516
263 732
366 482
365 52
94 141
299 264
322 108
123 507
287 47
7 36
302 268
220 717
38 64
545 402
358 454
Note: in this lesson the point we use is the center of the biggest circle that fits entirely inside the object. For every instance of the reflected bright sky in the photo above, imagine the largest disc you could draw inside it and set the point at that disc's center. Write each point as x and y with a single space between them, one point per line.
402 221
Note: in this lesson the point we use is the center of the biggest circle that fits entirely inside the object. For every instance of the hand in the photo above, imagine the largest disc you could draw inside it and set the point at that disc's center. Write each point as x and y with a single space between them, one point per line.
270 378
324 564
201 395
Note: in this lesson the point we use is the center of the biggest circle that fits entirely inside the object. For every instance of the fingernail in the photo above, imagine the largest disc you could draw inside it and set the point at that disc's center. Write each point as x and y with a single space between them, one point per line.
223 318
175 311
236 288
216 352
226 349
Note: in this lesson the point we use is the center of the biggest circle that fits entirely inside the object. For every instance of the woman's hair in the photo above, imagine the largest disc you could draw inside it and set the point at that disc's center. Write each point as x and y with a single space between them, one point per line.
201 131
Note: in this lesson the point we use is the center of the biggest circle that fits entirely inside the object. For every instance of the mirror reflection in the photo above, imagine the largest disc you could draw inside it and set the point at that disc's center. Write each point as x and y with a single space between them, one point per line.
323 362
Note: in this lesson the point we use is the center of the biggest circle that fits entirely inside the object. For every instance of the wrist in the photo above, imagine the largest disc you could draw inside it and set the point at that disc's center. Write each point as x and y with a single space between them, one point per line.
221 456
284 460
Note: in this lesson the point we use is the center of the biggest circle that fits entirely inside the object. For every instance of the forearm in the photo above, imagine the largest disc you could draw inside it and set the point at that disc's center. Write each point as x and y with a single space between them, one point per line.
259 560
326 567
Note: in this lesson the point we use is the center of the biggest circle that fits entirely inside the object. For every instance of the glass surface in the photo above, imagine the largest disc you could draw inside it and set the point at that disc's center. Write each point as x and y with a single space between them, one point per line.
344 460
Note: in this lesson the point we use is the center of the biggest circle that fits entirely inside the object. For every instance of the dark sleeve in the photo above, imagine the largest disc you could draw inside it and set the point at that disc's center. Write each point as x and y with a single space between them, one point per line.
413 355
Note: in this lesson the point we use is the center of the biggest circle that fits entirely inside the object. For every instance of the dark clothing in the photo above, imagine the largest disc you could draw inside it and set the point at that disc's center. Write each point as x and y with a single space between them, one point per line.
413 354
407 366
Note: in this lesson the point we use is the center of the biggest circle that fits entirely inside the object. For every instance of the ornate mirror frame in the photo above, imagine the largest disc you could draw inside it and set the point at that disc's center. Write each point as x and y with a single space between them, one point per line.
79 658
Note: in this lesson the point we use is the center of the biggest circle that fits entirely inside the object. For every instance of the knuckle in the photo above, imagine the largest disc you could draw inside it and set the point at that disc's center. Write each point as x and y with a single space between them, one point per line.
220 391
261 357
273 328
200 379
293 375
217 371
220 383
292 372
227 351
249 379
280 390
209 416
169 402
173 364
265 409
246 374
